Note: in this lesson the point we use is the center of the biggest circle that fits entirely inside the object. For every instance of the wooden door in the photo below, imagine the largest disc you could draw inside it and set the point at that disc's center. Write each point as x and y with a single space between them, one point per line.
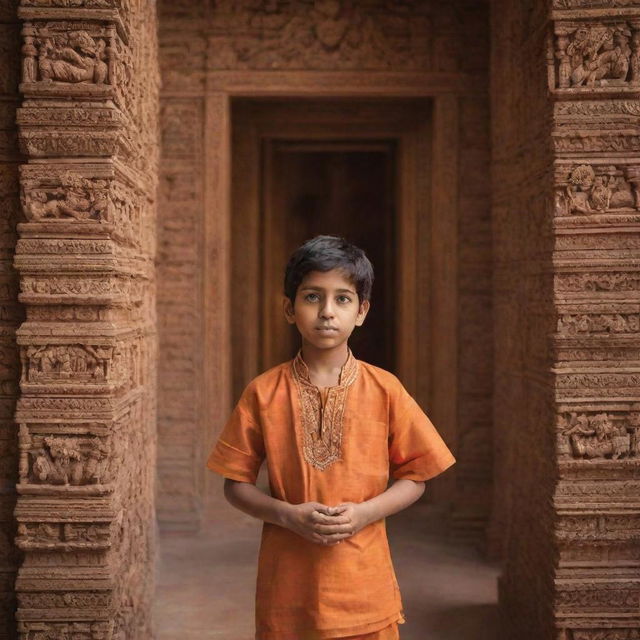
336 188
319 166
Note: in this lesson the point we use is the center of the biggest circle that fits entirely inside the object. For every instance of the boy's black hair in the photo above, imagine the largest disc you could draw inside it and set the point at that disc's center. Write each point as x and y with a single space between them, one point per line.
324 253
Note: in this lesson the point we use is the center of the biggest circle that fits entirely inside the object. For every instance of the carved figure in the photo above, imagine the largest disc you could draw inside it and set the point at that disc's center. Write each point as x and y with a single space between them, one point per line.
74 57
597 437
65 361
599 55
66 461
589 193
77 198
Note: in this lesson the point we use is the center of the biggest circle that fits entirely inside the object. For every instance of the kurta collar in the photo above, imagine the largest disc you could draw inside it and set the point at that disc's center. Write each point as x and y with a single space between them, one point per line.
347 375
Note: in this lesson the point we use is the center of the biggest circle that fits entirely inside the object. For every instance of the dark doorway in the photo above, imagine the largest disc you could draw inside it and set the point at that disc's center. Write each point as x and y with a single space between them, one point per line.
343 188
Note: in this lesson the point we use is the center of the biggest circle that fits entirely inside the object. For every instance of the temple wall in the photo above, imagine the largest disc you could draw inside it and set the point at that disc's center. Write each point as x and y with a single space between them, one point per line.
86 413
267 43
565 82
524 445
11 312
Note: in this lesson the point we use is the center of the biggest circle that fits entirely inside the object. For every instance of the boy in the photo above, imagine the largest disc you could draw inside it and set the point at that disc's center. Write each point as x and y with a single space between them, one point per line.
331 428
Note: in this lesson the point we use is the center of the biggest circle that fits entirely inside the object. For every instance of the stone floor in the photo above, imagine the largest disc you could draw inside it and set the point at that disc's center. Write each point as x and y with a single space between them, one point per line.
205 582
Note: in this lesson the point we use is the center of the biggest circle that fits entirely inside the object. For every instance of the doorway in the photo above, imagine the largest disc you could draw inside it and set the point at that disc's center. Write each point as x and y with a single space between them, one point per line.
355 168
343 188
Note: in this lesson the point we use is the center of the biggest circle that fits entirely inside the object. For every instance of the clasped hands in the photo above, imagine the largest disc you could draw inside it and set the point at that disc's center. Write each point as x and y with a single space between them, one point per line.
325 525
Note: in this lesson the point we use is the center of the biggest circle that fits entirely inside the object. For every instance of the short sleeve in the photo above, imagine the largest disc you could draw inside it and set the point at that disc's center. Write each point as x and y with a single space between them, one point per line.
416 449
239 450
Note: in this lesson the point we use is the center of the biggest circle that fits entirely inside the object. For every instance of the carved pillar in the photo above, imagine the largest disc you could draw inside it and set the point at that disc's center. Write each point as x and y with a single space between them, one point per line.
85 511
566 159
597 297
11 314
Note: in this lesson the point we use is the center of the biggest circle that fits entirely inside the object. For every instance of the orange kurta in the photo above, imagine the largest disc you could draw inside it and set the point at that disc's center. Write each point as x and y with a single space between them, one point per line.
338 446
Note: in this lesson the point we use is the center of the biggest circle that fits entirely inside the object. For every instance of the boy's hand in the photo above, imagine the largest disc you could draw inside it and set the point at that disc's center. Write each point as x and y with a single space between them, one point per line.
357 513
317 522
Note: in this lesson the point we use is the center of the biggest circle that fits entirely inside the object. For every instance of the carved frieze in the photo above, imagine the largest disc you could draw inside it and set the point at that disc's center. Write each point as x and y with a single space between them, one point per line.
324 34
63 460
597 527
71 196
94 630
598 324
596 282
63 536
68 53
596 54
617 633
594 190
597 596
74 599
598 435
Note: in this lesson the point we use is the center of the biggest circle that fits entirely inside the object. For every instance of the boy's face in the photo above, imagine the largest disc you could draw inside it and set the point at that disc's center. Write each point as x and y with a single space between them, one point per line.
326 309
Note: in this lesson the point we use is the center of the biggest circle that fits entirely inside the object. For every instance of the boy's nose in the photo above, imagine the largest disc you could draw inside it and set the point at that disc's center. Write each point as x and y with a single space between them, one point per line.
326 311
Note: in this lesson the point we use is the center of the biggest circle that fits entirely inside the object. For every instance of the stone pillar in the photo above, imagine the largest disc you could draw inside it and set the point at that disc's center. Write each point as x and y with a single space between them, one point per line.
566 238
593 78
11 313
86 415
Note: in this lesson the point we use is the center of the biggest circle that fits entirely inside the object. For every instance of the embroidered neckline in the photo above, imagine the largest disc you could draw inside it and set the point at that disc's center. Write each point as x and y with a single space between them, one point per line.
322 427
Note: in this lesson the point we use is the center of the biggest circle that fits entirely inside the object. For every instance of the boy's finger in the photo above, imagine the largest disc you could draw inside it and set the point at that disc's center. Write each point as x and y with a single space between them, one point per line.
325 519
328 529
340 508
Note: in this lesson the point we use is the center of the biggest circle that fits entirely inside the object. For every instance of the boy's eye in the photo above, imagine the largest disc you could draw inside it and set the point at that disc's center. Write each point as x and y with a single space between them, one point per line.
312 297
344 299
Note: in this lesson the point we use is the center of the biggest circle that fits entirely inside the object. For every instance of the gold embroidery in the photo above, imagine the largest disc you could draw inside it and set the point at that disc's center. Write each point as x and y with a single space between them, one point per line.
322 426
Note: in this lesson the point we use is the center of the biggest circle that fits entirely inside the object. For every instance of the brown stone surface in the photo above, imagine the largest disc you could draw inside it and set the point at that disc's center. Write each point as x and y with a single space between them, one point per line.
11 313
565 220
86 414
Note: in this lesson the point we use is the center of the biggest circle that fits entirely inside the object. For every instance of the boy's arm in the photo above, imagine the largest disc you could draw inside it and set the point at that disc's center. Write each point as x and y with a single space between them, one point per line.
401 494
398 496
304 519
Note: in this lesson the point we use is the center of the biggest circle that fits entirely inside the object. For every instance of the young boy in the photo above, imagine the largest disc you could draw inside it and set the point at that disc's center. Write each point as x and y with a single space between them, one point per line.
332 429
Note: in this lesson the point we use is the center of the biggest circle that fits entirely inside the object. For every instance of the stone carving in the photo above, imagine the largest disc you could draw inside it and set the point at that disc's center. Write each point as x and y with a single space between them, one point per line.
597 282
56 535
605 323
596 55
600 435
68 56
322 34
79 362
590 191
62 460
76 197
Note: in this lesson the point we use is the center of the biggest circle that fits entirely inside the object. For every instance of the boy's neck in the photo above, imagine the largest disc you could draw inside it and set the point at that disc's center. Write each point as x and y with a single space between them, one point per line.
324 362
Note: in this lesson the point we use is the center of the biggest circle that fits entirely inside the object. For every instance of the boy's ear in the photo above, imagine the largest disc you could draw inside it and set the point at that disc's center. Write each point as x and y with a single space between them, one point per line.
288 310
362 312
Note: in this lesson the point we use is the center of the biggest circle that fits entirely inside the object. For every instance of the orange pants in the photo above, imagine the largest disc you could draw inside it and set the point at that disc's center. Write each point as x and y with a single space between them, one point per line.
388 633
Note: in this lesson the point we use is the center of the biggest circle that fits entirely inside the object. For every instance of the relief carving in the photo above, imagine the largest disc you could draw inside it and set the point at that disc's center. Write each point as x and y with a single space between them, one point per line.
62 460
605 323
328 34
57 535
596 282
602 189
68 362
100 630
600 435
55 53
596 55
76 197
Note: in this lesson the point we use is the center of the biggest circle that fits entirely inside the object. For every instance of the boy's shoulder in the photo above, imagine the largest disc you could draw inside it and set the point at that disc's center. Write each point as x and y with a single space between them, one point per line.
269 378
382 376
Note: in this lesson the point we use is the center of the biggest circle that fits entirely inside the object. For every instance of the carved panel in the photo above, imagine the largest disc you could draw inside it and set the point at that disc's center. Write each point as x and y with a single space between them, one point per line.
597 55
